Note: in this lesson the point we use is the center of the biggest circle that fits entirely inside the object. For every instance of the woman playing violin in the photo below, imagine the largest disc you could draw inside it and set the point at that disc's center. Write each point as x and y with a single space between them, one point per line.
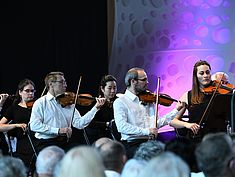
19 115
196 98
100 125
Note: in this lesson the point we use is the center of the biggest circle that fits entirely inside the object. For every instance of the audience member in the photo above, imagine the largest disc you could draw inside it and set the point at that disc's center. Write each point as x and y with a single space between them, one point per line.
47 160
98 143
144 153
114 157
215 155
184 148
82 161
166 164
12 167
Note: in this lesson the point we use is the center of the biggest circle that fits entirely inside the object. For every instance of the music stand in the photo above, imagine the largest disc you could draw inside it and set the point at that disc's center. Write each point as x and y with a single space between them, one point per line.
218 116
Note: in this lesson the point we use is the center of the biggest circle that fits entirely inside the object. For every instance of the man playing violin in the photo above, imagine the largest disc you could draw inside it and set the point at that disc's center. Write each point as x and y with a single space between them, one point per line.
51 121
134 119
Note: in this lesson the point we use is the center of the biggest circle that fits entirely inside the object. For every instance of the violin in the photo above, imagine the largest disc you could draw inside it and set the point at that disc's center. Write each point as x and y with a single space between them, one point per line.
149 97
68 98
30 103
221 88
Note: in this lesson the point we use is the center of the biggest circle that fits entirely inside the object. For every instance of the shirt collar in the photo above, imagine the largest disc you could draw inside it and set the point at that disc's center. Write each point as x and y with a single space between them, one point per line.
131 95
50 96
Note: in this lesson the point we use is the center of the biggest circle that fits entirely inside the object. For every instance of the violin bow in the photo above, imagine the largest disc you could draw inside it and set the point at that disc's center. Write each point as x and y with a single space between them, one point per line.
75 102
152 136
157 100
76 99
210 101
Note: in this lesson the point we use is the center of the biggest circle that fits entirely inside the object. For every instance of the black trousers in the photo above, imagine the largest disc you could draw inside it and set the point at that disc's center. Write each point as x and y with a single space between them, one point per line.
60 141
132 146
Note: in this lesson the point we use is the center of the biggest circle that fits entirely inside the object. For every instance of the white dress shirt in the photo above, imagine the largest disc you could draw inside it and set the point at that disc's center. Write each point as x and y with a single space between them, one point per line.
48 116
134 119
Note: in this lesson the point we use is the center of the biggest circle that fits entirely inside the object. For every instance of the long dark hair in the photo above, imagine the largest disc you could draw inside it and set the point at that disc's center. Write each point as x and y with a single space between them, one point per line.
197 96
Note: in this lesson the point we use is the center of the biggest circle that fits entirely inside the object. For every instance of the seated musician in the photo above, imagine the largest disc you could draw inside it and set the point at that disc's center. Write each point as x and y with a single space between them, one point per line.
135 119
51 121
101 125
197 100
220 76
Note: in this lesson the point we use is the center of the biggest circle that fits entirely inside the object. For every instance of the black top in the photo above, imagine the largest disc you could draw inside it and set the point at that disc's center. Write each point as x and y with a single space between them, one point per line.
215 118
98 127
18 114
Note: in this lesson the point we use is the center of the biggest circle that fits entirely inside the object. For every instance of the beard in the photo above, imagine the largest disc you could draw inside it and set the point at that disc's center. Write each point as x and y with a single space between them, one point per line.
140 89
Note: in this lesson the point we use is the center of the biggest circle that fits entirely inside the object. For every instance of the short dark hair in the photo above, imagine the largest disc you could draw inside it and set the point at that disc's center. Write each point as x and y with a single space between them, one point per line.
214 153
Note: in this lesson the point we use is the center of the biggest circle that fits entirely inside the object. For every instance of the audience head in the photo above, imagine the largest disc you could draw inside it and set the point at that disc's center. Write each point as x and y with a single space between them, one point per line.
11 166
113 155
47 160
98 143
142 156
82 161
215 155
166 164
148 150
185 149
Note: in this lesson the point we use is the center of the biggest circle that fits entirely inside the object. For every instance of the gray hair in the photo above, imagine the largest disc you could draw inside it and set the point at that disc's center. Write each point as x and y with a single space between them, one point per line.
48 158
166 164
132 74
82 161
11 166
148 150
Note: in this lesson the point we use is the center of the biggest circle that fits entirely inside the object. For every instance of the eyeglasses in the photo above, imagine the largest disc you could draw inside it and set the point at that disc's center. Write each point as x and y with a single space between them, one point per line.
143 80
29 90
62 81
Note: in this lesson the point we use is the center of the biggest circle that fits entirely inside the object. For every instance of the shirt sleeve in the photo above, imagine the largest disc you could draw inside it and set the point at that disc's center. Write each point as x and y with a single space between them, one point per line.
121 120
167 118
81 122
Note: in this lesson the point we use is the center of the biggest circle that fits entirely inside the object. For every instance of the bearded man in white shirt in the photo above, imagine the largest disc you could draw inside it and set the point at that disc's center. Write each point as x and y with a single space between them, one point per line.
136 121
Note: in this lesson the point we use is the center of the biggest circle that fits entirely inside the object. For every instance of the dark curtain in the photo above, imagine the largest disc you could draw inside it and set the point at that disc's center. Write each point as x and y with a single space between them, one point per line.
38 37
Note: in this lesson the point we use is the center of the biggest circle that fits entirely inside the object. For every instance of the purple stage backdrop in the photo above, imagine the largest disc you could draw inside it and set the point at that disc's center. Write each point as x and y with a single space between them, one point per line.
166 38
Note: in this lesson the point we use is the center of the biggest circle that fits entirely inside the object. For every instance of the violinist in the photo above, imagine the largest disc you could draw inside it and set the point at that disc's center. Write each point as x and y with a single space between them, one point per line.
135 119
19 115
220 76
197 99
100 126
51 121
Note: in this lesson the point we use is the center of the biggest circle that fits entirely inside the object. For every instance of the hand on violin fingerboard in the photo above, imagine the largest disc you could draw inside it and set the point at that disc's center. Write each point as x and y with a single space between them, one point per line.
100 102
181 105
3 98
